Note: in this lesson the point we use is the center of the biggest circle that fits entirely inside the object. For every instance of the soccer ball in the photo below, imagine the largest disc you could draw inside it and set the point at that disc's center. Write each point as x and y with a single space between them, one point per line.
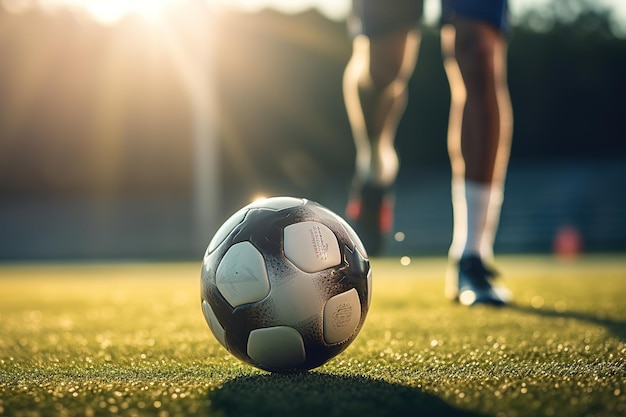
286 284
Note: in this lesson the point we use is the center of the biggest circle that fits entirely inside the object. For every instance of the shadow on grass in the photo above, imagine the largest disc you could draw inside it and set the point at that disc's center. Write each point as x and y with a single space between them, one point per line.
616 327
318 394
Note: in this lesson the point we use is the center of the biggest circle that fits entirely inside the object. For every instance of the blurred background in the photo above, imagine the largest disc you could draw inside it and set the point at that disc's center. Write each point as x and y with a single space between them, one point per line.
132 129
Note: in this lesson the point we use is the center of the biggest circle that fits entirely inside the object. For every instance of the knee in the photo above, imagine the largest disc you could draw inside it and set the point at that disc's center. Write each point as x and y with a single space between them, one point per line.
384 72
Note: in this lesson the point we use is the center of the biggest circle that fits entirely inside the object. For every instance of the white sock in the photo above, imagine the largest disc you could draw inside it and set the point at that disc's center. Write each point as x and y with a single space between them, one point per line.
378 164
491 223
459 212
385 164
475 222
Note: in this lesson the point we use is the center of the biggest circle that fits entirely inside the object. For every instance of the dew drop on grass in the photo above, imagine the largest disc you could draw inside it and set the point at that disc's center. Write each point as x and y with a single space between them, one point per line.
537 302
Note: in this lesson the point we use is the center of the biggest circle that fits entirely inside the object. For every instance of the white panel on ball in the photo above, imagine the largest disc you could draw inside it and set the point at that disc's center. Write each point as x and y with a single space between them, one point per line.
354 238
341 316
213 322
311 246
277 203
241 276
295 298
226 228
369 287
278 347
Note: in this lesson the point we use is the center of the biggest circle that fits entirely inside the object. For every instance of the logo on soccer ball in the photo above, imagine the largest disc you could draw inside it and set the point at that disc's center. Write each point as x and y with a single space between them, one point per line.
286 284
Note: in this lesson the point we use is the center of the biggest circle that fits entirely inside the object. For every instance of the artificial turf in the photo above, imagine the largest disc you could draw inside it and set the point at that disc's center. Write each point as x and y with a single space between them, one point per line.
130 339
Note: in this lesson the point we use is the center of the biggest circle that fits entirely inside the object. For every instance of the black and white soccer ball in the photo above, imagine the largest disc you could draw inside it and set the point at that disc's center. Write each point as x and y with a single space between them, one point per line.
286 284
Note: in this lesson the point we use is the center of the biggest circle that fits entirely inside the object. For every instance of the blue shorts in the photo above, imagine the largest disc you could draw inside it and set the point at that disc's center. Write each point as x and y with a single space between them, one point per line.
377 17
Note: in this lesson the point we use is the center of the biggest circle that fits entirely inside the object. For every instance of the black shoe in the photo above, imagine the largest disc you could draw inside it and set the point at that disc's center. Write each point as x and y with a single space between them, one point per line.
370 210
470 282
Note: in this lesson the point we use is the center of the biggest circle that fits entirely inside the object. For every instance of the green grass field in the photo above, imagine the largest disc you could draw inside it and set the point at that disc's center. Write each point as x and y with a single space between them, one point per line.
130 339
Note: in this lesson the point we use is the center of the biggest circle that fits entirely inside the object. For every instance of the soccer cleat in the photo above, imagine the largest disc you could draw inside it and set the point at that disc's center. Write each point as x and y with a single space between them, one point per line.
370 210
470 282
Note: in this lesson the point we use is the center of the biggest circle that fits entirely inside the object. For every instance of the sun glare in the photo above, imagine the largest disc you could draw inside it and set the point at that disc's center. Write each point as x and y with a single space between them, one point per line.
104 11
110 11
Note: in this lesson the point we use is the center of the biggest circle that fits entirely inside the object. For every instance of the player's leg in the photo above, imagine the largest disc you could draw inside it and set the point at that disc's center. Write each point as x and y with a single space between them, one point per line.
474 45
385 48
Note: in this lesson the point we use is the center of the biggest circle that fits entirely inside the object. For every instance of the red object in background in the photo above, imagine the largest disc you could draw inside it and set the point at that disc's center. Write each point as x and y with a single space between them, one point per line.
568 242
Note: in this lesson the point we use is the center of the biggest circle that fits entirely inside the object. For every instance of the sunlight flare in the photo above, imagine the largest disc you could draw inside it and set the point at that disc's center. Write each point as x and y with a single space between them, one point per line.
110 11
